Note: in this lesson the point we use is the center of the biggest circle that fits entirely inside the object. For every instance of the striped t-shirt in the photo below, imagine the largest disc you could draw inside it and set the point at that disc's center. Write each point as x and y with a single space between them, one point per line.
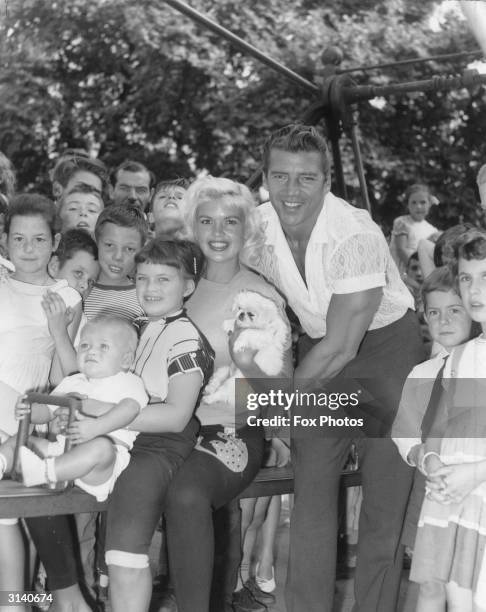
113 300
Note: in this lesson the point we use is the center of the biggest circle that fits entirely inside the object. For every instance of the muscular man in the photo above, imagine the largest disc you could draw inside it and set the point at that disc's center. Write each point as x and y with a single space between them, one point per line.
333 264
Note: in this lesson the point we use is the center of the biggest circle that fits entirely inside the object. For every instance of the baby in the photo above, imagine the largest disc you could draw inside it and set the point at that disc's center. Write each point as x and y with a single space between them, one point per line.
101 445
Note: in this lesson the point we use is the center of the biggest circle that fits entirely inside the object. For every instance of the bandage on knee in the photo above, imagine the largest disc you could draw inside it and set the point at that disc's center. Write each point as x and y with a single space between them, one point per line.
126 559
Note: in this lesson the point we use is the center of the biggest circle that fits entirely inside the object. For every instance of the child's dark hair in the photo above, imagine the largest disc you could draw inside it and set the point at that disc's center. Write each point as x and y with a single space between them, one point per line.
413 257
123 215
73 241
33 205
448 242
441 279
181 254
473 245
177 182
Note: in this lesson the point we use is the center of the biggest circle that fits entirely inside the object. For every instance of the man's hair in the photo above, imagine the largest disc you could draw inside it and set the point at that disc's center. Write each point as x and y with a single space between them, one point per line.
132 166
73 241
295 138
67 165
123 215
183 255
440 279
33 205
120 322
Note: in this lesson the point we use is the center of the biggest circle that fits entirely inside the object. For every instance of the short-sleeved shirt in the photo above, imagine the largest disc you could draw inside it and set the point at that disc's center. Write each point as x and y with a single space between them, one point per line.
346 253
113 300
170 347
406 430
113 389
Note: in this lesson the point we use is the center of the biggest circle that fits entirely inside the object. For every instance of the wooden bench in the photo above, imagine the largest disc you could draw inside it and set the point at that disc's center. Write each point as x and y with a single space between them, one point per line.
19 501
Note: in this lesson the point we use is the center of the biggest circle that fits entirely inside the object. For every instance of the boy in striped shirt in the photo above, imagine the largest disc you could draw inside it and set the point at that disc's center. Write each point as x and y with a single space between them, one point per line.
120 232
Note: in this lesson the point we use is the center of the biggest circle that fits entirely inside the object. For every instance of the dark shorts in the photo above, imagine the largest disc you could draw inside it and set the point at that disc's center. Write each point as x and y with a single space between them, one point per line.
138 499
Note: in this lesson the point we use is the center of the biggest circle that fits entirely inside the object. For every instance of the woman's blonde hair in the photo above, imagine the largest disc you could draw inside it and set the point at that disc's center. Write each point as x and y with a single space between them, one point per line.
234 194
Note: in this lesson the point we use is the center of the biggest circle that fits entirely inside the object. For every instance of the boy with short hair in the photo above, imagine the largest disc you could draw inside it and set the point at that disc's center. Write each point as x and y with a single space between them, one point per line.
101 442
120 232
76 260
73 169
167 208
80 208
449 326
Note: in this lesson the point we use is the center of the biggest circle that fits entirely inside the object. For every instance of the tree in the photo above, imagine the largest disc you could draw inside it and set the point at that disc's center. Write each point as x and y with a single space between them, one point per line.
145 82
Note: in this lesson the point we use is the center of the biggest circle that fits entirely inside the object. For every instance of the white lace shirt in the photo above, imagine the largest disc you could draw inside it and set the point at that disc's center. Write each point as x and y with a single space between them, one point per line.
346 253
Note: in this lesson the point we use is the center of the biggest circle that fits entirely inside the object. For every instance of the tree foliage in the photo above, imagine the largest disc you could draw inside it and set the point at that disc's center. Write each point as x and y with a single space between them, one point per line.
143 81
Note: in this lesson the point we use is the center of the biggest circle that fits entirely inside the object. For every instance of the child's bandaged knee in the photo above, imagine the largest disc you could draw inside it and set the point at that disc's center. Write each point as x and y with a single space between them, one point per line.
126 559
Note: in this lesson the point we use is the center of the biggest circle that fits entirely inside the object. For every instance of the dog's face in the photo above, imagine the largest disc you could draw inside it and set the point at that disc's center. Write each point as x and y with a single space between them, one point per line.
253 310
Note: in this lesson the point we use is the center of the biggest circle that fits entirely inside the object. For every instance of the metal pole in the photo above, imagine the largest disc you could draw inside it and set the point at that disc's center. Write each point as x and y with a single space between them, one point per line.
239 43
367 92
359 160
417 60
333 134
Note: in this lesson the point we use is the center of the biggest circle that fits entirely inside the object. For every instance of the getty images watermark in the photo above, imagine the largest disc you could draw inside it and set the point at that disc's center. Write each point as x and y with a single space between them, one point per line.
302 409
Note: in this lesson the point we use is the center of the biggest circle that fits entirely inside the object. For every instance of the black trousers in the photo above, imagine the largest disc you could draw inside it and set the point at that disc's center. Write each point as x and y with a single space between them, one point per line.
384 359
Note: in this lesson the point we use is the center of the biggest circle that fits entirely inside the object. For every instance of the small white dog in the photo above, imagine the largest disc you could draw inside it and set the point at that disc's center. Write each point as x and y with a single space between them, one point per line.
264 330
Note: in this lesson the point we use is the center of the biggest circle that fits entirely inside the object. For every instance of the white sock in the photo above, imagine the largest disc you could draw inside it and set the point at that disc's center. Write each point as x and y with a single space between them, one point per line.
51 469
54 449
3 465
33 468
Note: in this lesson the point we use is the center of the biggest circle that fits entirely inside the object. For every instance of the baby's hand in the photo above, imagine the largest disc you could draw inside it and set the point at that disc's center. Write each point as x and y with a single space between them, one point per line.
83 429
22 408
60 421
59 316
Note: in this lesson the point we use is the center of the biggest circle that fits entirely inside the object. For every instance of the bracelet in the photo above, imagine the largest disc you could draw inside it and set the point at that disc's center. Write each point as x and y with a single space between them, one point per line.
422 462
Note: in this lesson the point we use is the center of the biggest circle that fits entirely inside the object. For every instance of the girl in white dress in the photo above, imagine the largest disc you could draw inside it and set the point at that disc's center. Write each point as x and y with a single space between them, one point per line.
39 316
409 229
